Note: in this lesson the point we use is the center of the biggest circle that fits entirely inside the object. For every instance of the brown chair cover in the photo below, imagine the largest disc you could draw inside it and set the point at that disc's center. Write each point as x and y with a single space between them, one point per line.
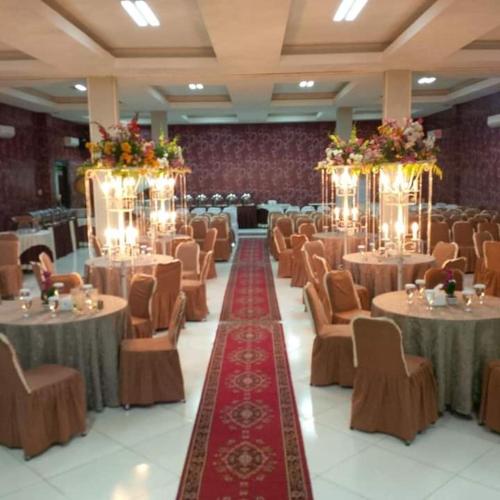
200 228
478 219
444 251
480 270
223 246
302 219
209 246
320 268
177 241
69 280
332 355
344 301
150 369
440 231
96 245
11 276
491 251
308 229
299 276
196 293
285 255
168 284
454 218
434 277
271 224
462 236
188 252
459 263
316 247
393 393
46 263
489 413
322 222
490 227
39 407
186 230
285 225
140 296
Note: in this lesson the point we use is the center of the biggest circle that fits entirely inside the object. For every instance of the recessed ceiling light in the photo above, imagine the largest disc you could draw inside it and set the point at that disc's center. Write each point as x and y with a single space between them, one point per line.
349 10
426 80
306 84
141 13
196 86
80 87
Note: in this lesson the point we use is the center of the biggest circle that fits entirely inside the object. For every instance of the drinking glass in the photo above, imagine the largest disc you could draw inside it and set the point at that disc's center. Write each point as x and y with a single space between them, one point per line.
89 302
410 289
26 301
372 248
467 297
362 251
429 296
53 305
480 288
421 288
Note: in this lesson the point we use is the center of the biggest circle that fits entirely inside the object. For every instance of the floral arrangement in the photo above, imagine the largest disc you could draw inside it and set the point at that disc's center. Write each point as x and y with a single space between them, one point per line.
341 152
450 285
48 289
169 154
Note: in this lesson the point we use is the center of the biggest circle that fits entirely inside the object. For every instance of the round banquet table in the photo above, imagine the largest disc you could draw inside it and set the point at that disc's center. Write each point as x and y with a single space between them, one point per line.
113 277
88 342
335 245
380 274
458 343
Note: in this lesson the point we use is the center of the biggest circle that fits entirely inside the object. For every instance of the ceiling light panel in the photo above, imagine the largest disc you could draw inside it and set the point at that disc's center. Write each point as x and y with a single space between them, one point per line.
80 87
349 10
426 80
147 13
141 13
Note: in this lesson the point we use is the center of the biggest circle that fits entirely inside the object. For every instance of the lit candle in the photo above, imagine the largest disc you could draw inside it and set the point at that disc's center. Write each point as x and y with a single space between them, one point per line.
400 228
414 230
385 231
355 213
336 213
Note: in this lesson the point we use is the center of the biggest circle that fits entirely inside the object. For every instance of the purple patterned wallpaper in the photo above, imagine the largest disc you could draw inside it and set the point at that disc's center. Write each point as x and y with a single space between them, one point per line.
271 161
26 160
470 153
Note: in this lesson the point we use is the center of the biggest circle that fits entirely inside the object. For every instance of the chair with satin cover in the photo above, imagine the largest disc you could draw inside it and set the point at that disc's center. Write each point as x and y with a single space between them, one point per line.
435 276
186 229
394 393
178 240
300 219
462 236
223 246
491 251
196 293
459 263
454 218
68 280
342 297
322 222
142 288
200 228
11 275
308 209
478 219
285 225
188 252
491 227
479 238
271 224
285 255
150 369
168 285
299 276
96 245
444 251
332 353
440 231
489 414
38 407
209 246
308 229
214 210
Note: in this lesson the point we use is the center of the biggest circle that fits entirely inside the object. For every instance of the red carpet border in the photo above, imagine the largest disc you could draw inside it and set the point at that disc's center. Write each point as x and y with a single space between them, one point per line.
246 442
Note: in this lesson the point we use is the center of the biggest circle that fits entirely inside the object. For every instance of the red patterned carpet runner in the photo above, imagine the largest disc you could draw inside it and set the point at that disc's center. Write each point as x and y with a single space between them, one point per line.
246 442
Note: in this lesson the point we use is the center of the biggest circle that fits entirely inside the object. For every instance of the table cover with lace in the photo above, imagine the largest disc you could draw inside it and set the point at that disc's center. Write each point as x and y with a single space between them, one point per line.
113 278
458 343
380 275
87 342
337 244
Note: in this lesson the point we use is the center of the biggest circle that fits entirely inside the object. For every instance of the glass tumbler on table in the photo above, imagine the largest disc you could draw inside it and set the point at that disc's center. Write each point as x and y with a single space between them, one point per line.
26 301
54 305
410 289
480 290
467 295
429 296
420 283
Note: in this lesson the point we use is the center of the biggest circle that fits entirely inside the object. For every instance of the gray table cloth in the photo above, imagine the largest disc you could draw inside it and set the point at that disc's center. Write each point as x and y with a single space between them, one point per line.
337 244
89 343
458 343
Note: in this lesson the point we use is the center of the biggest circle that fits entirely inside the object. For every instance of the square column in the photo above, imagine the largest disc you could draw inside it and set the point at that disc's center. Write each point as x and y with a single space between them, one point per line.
343 123
102 103
159 124
397 94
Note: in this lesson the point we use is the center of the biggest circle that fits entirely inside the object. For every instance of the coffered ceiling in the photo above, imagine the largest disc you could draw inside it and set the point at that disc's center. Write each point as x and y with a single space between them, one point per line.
250 56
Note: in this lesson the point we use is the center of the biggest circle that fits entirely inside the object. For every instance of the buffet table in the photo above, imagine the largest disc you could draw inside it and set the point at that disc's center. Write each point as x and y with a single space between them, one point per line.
380 274
87 342
458 343
247 216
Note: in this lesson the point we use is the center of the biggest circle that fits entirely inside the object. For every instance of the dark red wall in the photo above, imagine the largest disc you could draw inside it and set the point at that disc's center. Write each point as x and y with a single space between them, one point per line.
270 161
26 160
470 153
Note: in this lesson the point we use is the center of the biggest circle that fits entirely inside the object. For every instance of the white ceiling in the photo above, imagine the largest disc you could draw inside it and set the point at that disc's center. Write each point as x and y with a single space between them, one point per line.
250 55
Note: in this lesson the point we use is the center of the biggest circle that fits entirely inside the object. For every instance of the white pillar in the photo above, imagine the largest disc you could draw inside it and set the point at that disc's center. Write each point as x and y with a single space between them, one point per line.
102 103
159 124
343 123
397 94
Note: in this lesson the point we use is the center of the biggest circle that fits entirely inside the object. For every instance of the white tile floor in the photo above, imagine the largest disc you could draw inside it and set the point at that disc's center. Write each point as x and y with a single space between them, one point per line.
139 454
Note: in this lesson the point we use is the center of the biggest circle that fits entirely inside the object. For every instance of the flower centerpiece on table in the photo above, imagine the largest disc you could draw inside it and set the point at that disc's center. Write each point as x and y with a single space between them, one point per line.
450 285
48 288
169 155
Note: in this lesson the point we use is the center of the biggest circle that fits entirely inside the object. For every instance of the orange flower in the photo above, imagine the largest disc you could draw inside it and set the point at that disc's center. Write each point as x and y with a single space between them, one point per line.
126 147
108 148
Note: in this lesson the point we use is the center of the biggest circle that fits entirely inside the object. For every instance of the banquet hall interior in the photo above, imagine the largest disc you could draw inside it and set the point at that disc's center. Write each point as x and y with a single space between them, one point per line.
249 250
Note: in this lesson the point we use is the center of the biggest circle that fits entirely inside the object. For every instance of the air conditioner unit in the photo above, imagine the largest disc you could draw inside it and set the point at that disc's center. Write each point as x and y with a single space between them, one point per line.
71 142
493 121
7 132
